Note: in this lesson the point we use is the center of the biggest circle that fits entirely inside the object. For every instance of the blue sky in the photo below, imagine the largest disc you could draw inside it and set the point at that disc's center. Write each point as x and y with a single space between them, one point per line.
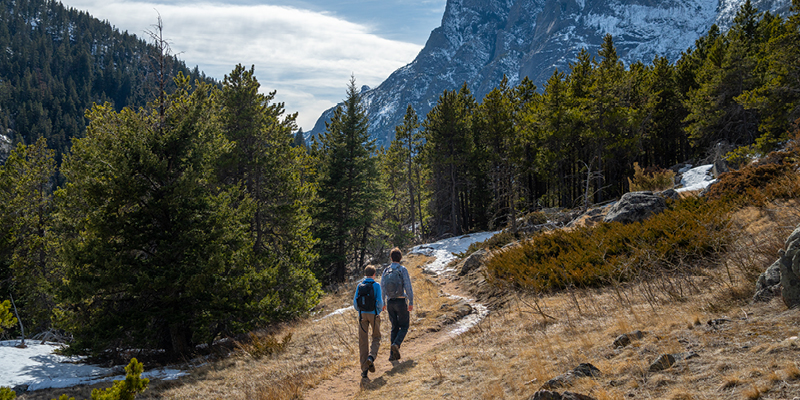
304 49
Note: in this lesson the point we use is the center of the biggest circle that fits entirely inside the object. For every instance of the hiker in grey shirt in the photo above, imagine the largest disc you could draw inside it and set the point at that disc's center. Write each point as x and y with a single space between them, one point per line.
398 300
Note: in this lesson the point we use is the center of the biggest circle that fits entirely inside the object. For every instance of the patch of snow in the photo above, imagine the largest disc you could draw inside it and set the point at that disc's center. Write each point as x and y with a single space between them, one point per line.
443 250
466 323
697 178
39 368
336 312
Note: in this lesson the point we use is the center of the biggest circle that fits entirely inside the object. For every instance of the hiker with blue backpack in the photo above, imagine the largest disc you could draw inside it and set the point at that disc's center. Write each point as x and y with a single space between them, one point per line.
368 301
398 300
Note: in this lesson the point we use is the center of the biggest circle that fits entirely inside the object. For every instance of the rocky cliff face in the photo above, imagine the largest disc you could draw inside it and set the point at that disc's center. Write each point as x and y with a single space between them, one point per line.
479 41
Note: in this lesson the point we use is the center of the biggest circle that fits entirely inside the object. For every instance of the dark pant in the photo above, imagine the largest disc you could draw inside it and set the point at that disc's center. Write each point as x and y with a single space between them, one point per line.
399 317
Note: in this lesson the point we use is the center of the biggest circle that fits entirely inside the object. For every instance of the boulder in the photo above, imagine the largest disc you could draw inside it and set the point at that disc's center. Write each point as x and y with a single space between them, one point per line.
768 284
472 262
663 362
626 338
670 194
783 276
635 206
581 371
790 273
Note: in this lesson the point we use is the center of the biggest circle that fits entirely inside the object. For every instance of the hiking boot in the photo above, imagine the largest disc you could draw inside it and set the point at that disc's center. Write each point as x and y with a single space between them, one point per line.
395 353
370 364
364 375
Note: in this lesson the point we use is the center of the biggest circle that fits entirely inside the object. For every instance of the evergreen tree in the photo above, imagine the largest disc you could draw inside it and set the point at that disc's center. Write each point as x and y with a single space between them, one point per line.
157 252
409 138
448 148
264 161
26 220
728 72
299 139
495 134
778 99
348 189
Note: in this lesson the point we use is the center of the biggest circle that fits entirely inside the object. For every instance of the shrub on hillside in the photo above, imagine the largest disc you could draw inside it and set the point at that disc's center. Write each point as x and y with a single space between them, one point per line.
493 243
688 232
651 179
260 346
770 179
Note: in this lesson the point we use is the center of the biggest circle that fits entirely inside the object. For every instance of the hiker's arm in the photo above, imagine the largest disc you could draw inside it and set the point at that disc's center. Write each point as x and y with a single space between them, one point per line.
378 297
408 289
383 294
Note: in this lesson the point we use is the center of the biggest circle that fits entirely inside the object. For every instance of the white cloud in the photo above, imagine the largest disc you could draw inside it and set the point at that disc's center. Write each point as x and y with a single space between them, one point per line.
306 56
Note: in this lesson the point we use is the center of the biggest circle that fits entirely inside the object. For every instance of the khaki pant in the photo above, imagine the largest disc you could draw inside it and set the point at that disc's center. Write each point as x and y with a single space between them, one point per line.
364 349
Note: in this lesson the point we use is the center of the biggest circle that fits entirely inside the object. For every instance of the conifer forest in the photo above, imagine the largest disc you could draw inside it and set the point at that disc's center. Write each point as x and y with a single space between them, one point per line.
144 205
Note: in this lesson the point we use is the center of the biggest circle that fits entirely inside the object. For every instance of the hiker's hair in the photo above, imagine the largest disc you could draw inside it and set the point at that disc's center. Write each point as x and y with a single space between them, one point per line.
369 270
396 255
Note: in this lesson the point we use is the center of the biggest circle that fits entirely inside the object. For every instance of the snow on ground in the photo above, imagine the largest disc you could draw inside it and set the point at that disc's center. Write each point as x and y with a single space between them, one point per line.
466 323
39 368
696 178
443 250
336 312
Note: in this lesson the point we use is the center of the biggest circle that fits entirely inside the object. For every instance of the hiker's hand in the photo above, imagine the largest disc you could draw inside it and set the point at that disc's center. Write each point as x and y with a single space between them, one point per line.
410 308
384 308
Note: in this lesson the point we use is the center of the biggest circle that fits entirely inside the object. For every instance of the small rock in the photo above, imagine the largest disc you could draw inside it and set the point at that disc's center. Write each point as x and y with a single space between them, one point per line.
545 395
718 321
665 361
626 338
575 396
586 369
581 371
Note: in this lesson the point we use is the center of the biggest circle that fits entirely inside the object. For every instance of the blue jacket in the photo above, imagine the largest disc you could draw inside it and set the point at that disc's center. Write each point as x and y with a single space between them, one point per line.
378 297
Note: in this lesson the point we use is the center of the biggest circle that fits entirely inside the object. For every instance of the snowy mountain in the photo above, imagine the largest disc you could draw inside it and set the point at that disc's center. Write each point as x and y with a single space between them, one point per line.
481 40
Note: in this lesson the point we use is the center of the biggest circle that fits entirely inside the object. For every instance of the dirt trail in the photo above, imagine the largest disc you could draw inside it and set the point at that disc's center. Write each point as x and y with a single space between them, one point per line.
348 383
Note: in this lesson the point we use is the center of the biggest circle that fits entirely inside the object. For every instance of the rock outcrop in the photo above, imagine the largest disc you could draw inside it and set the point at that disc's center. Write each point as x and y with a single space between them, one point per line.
790 270
581 371
768 284
472 262
783 276
635 206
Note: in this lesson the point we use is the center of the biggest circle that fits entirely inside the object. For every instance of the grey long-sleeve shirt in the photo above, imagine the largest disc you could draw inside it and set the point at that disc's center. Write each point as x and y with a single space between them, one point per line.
409 292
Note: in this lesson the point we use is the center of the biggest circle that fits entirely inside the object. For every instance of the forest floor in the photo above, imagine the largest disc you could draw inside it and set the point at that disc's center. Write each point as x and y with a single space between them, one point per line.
725 346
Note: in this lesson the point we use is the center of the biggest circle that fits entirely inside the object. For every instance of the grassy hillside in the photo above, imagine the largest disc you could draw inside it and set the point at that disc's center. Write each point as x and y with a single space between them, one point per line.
724 346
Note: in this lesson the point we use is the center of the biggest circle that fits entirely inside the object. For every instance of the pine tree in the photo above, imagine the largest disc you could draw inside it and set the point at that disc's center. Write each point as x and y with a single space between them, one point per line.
448 148
157 252
264 161
26 218
409 137
348 189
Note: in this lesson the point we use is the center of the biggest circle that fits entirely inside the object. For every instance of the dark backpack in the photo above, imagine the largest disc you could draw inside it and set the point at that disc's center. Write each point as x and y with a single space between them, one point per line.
392 283
365 297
